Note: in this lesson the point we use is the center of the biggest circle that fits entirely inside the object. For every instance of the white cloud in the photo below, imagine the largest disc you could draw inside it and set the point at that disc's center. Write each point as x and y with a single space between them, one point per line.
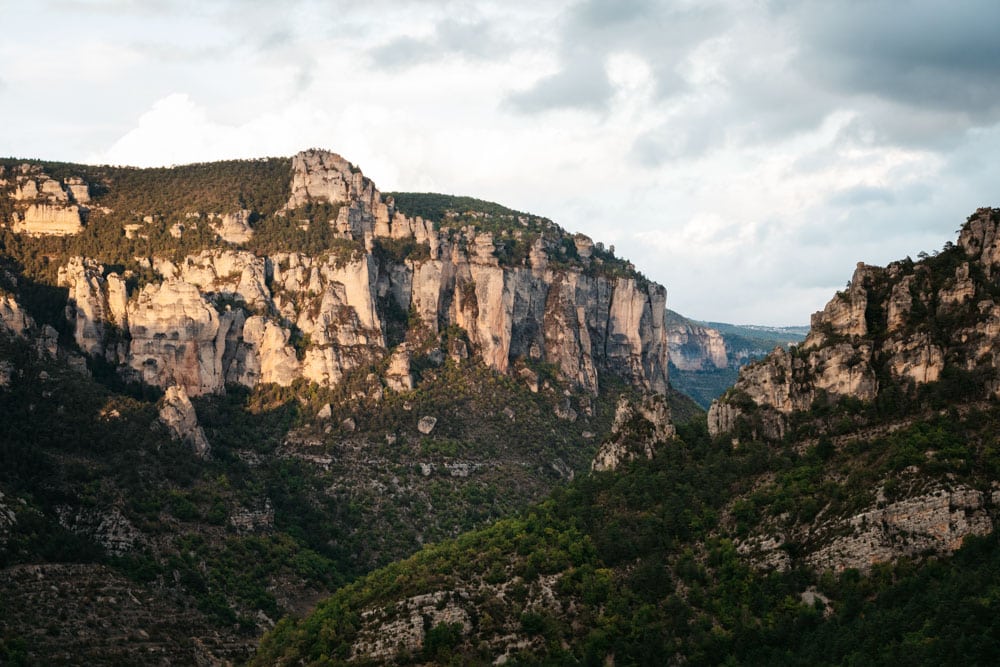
737 152
176 130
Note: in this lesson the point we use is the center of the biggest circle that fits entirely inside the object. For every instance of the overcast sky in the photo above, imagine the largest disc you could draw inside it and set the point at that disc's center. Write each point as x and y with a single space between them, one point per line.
746 154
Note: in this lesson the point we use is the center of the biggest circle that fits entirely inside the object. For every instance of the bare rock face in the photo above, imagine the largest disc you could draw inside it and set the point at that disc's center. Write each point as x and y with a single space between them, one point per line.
933 522
178 415
960 289
177 339
408 628
108 527
88 307
240 276
323 176
79 189
398 376
980 238
265 356
635 432
844 315
900 303
43 206
694 347
916 358
907 322
722 417
581 323
48 220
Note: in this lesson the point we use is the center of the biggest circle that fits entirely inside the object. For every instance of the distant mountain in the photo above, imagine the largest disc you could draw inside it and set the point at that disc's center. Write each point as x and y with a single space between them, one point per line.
705 356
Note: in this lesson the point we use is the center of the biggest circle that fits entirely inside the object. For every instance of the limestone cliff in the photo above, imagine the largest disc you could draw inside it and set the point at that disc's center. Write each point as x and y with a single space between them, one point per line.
902 326
227 315
694 347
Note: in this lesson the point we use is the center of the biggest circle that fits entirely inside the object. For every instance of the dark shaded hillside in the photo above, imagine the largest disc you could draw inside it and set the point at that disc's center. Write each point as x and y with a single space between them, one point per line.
348 396
288 508
645 565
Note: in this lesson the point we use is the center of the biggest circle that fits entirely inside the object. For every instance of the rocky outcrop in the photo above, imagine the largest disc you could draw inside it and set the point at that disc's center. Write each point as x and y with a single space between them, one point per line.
43 206
177 338
907 322
79 189
13 320
178 415
247 520
407 629
95 304
327 177
934 522
47 220
223 274
844 315
397 375
234 227
108 527
426 424
980 239
265 355
637 430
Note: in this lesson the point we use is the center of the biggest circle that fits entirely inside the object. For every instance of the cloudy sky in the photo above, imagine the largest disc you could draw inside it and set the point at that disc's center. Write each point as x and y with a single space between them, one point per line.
746 154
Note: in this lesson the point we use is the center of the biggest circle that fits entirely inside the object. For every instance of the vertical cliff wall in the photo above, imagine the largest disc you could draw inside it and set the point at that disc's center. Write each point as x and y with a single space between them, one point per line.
227 315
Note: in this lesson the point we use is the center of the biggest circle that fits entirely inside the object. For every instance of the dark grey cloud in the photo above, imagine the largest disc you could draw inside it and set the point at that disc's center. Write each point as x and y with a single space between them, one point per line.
592 30
918 73
923 72
582 84
469 39
920 52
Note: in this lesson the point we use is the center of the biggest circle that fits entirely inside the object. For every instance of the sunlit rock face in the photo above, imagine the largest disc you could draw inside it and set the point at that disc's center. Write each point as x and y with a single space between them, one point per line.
905 323
225 315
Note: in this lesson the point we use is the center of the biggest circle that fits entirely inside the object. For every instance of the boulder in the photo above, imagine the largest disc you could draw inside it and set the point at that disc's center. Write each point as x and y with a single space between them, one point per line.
426 424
